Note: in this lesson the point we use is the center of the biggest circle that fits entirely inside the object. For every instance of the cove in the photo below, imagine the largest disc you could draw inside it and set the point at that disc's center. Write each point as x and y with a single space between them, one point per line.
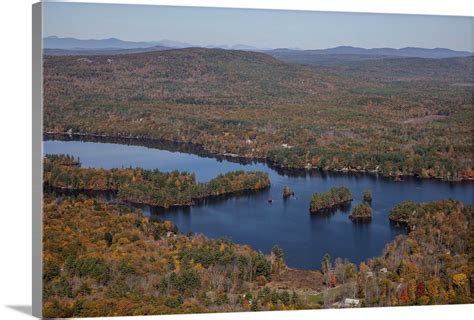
249 218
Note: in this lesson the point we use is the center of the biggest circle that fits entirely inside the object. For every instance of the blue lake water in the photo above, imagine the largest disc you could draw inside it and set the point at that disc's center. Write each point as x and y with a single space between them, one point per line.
251 219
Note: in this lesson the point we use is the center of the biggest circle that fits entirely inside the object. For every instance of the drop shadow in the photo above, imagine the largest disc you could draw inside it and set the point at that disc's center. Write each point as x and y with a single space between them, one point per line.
25 309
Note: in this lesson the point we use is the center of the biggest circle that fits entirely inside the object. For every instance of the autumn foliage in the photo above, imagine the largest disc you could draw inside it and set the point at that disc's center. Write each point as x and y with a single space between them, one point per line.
390 116
330 199
151 187
105 259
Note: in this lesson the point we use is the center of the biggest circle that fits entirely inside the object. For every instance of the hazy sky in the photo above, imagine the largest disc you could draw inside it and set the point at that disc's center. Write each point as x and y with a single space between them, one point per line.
260 28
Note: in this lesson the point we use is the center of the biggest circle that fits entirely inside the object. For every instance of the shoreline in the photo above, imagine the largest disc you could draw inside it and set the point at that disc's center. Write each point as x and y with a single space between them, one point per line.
200 150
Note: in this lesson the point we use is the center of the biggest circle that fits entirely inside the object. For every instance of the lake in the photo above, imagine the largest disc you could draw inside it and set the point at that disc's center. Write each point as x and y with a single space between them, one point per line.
251 219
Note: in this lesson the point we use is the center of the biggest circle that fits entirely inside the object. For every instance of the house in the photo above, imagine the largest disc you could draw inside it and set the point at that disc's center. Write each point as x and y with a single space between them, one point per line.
348 302
383 270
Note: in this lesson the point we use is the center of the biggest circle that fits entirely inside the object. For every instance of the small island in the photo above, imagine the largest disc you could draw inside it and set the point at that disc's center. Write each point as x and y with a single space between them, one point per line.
367 196
331 199
361 212
287 192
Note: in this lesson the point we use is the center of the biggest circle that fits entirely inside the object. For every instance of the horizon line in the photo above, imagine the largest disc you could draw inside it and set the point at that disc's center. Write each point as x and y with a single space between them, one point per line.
240 44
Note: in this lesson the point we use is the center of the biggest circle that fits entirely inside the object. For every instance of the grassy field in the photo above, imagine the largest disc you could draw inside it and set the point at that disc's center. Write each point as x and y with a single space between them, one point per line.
318 298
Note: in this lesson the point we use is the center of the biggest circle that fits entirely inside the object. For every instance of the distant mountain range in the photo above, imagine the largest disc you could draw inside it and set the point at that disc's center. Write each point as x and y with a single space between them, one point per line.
54 42
413 52
71 46
101 52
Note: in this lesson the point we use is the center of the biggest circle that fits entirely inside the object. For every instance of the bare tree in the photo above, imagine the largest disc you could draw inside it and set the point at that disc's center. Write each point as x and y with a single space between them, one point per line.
217 276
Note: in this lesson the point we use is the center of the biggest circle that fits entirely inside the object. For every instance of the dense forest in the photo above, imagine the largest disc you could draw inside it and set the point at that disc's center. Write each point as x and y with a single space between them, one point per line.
432 265
106 259
329 200
152 187
391 116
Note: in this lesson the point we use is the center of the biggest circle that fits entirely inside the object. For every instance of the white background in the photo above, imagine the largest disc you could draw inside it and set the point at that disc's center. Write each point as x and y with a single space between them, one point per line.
15 153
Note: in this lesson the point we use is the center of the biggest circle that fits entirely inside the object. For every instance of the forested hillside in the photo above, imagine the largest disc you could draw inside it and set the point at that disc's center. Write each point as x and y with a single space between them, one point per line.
396 117
106 260
432 265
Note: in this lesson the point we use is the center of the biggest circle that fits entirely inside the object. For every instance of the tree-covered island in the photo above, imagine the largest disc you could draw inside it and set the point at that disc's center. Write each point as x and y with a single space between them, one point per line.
287 192
361 212
367 196
331 199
